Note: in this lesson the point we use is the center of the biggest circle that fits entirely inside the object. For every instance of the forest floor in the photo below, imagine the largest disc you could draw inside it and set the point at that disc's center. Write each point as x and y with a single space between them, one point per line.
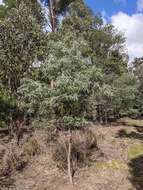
121 167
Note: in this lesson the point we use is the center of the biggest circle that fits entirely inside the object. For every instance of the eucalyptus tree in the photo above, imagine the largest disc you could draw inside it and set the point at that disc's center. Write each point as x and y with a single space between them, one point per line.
125 88
83 64
69 71
137 65
19 39
20 45
105 47
5 7
33 5
55 9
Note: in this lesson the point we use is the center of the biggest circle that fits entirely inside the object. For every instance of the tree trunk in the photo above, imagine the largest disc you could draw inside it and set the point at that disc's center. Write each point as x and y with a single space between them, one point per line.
106 117
69 160
100 114
52 16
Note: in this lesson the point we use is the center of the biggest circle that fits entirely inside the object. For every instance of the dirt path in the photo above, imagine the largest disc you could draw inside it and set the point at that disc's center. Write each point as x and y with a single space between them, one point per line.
121 167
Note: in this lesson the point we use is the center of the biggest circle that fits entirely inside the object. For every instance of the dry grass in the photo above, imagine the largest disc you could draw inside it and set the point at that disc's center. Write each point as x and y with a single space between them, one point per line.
31 147
84 143
131 122
15 158
108 172
135 151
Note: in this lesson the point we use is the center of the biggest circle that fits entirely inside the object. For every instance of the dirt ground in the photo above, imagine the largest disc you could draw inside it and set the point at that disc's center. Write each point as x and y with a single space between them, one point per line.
118 167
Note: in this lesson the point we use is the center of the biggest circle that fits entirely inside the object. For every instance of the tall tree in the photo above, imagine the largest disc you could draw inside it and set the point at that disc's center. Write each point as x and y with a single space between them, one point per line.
105 47
80 71
138 72
55 9
20 41
33 5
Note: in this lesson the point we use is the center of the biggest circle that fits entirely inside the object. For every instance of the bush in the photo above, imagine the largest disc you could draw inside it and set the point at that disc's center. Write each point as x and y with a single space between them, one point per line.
31 148
48 126
123 133
11 161
16 158
83 144
70 121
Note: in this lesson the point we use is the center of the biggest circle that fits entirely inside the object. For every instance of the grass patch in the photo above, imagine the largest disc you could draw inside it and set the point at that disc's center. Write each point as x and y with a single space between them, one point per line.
131 122
135 151
3 124
113 164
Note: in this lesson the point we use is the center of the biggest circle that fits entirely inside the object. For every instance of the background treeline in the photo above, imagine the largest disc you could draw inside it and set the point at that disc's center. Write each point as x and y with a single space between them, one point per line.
60 62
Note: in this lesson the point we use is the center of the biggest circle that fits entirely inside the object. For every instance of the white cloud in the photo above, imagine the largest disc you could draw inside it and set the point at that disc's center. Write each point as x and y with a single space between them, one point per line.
104 16
132 27
1 1
139 5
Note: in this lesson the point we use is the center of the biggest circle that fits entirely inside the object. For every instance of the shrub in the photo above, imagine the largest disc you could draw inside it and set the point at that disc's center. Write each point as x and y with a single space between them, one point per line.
11 161
48 126
71 122
16 158
123 133
31 148
83 143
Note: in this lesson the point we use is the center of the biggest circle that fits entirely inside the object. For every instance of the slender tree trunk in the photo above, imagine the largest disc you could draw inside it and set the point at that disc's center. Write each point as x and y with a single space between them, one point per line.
106 117
100 114
52 16
10 127
69 159
16 115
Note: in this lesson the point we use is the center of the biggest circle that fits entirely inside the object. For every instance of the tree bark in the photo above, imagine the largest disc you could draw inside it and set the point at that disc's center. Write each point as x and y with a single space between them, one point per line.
100 114
69 160
106 117
52 16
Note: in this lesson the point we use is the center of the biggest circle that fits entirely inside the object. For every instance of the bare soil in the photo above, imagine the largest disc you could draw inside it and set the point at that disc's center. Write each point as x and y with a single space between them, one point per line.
118 167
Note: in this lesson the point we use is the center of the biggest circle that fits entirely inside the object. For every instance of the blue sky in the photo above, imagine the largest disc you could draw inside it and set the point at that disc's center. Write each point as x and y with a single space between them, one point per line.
113 6
127 17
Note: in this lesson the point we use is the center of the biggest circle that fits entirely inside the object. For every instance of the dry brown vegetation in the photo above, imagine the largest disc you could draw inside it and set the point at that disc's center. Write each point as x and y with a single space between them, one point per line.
15 158
102 157
131 122
83 145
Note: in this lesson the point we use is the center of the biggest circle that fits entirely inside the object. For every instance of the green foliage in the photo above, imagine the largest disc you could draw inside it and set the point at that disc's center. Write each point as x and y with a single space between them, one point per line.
70 121
33 5
125 91
81 69
20 37
34 95
67 68
138 71
5 7
84 72
7 103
